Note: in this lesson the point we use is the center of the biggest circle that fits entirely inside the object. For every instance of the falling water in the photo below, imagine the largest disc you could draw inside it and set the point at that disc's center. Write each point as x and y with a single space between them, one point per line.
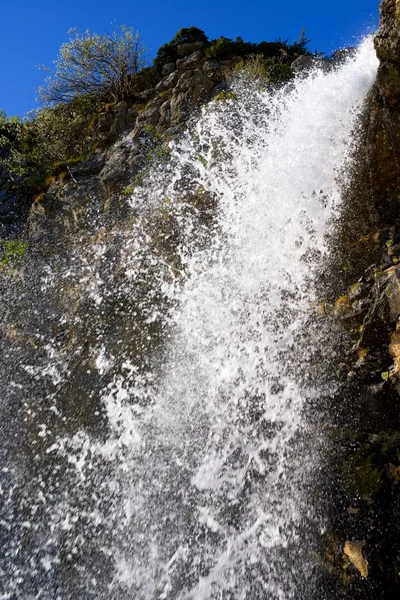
156 431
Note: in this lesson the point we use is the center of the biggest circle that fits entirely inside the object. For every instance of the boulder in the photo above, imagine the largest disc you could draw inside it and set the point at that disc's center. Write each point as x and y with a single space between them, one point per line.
120 162
151 114
302 63
168 82
168 69
190 48
189 61
353 550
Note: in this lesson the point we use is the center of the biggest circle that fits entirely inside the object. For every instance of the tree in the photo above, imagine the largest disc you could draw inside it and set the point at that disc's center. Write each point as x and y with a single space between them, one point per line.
91 64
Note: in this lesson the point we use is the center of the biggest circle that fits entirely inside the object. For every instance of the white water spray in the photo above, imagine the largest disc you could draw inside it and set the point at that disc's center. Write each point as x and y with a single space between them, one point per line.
198 489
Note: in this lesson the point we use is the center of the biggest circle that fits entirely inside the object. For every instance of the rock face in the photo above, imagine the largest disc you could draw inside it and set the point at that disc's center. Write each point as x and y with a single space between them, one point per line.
387 44
383 133
366 307
159 106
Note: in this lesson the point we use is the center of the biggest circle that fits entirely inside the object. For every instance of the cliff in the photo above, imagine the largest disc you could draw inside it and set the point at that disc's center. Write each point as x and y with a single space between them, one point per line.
364 282
82 213
102 147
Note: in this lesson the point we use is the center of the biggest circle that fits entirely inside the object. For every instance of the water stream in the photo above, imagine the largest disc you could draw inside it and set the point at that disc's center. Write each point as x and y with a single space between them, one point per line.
157 436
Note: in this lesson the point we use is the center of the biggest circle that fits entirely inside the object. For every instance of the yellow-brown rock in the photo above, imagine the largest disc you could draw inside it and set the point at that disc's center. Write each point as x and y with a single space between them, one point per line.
394 350
353 550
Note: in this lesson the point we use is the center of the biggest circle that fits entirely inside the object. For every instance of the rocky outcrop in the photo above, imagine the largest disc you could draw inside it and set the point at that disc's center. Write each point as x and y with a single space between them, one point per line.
387 44
158 107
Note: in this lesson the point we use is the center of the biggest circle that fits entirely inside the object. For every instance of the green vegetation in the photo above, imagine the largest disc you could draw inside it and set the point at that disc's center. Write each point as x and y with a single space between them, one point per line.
98 66
258 68
92 74
128 190
224 48
364 476
225 95
169 52
32 150
13 253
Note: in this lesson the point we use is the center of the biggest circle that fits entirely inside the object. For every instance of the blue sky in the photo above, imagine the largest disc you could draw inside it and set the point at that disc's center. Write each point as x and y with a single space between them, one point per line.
32 32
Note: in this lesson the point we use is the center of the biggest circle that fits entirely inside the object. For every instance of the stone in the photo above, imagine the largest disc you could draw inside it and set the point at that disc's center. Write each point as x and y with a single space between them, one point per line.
120 162
394 472
151 115
8 203
387 45
104 123
91 166
220 87
185 81
190 48
302 63
211 67
392 292
191 90
394 351
168 69
353 550
173 132
343 54
375 326
165 114
146 95
189 61
167 82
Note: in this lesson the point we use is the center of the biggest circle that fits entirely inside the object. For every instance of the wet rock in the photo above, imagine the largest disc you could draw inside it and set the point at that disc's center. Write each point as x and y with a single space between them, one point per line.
8 203
387 45
10 217
220 87
120 162
343 54
394 472
175 131
302 63
392 292
394 350
92 166
353 550
375 327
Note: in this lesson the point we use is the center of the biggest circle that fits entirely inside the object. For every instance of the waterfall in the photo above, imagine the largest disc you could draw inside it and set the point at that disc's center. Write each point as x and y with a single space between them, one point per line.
156 427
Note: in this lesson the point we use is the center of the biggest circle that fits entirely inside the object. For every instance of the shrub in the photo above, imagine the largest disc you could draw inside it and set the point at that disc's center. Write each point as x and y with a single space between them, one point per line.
90 64
10 157
31 150
169 52
62 133
225 49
